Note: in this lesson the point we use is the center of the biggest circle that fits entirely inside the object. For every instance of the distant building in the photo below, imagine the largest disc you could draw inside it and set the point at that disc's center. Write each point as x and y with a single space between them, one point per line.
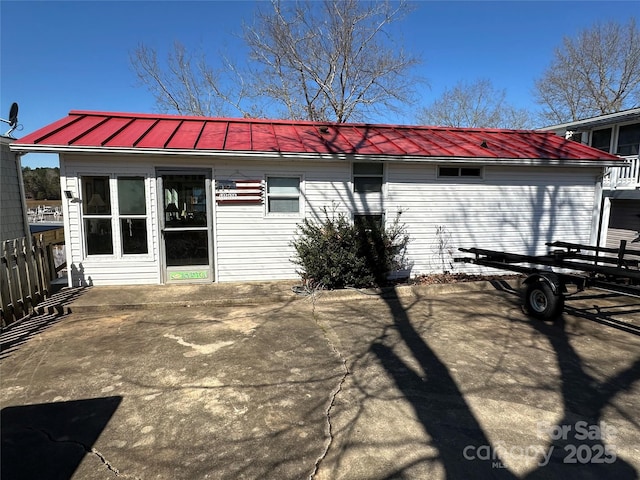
617 133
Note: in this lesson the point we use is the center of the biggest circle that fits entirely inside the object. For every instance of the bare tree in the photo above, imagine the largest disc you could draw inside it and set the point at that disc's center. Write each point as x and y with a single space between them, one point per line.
331 60
476 104
595 73
187 85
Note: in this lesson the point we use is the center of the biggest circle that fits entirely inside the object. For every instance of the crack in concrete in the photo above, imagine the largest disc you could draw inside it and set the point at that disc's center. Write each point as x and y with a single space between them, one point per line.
334 393
91 450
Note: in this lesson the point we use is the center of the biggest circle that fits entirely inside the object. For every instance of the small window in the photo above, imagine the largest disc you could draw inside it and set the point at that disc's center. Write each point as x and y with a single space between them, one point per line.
132 207
601 139
96 209
466 172
629 139
574 136
368 223
283 194
367 177
96 199
98 236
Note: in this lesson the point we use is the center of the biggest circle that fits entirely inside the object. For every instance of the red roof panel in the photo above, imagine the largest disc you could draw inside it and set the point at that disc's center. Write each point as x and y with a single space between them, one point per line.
212 137
129 136
288 138
159 134
186 135
366 142
39 135
144 131
403 142
263 138
102 132
311 139
71 134
425 141
239 137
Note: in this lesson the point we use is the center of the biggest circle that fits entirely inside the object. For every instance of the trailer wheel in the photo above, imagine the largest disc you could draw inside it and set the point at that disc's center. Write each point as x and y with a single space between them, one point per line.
541 302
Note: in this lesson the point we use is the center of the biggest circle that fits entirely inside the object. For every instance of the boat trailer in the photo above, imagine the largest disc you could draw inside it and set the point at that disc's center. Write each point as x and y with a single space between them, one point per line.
567 264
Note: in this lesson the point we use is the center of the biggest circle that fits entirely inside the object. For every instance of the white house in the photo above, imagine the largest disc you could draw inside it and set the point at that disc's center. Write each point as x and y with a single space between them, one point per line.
617 133
158 198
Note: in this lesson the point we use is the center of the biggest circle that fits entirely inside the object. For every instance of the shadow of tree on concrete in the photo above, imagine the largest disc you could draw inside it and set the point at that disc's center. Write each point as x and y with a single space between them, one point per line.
518 365
434 395
583 447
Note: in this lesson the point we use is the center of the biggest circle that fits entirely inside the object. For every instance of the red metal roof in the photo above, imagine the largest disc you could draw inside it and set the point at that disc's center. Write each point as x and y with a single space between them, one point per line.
82 130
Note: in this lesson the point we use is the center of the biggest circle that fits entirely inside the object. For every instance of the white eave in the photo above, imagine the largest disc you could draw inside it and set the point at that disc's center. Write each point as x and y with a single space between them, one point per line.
588 123
314 156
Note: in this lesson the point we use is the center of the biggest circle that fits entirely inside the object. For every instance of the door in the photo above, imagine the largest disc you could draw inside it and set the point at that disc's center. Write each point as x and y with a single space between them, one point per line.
185 222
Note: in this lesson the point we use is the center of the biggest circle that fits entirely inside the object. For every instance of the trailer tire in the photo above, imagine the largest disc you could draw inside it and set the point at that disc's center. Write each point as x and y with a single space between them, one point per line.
540 301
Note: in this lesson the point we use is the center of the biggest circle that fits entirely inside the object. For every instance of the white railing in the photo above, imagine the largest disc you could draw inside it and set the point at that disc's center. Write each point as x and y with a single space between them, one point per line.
627 177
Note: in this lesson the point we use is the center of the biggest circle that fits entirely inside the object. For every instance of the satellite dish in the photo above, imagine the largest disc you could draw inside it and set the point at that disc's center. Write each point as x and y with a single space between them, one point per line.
13 119
13 114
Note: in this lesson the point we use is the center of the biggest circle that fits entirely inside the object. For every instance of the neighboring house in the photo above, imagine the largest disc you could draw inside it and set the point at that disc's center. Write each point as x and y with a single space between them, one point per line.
159 198
617 133
13 210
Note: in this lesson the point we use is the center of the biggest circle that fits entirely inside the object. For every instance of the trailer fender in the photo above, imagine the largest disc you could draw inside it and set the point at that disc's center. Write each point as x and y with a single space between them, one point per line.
550 279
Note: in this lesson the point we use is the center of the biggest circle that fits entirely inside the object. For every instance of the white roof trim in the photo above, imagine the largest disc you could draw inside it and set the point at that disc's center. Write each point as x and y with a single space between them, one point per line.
623 116
314 156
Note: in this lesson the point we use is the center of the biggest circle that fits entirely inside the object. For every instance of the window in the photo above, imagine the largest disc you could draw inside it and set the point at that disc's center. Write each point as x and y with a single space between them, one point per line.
629 139
601 139
368 223
126 219
367 177
465 172
283 194
132 209
574 136
96 207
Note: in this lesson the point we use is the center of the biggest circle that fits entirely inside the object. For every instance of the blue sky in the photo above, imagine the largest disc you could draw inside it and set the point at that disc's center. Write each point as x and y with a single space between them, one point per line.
62 56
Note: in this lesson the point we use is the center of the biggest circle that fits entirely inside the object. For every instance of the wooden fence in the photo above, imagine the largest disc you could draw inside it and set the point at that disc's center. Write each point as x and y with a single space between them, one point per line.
26 272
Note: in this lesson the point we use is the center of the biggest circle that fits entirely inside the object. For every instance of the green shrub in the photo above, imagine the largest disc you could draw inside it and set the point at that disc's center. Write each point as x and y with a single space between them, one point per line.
334 252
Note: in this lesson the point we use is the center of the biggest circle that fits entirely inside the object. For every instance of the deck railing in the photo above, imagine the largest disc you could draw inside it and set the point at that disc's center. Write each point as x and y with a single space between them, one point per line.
627 177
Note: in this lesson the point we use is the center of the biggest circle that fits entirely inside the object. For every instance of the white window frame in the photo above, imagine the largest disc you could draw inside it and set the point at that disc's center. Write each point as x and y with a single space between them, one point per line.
96 216
459 176
299 196
616 143
381 176
116 234
612 139
122 216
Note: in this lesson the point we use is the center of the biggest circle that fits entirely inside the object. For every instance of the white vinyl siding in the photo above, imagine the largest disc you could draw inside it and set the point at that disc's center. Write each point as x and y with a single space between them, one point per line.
515 209
509 208
250 242
254 245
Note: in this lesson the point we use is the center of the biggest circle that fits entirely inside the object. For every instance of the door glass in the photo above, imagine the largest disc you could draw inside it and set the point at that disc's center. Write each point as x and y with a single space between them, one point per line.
186 233
186 247
184 201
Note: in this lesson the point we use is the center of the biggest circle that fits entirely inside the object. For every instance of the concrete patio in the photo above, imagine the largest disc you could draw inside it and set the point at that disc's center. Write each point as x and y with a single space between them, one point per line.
253 381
